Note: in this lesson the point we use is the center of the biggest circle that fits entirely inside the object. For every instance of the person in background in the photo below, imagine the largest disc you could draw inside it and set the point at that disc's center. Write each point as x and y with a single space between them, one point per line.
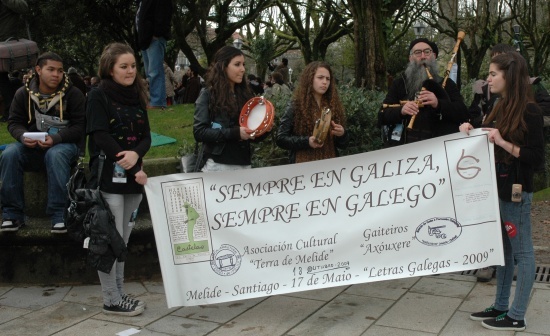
153 24
279 87
169 81
47 103
88 81
11 25
315 92
217 110
182 83
118 125
94 81
77 80
281 68
255 84
514 125
194 86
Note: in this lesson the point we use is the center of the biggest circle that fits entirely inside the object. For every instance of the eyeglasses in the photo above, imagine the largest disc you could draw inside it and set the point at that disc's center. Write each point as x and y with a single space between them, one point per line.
426 52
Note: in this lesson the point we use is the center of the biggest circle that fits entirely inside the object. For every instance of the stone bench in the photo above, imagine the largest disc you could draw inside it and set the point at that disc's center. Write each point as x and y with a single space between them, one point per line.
36 191
34 255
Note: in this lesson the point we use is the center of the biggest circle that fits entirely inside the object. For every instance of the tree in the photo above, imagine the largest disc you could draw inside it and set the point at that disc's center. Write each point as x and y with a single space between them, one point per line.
79 30
481 20
210 24
261 49
532 16
379 25
313 25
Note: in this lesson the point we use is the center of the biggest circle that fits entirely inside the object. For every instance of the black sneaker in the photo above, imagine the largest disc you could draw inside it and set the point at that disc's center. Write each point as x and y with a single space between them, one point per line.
11 225
504 322
489 313
133 301
59 228
123 308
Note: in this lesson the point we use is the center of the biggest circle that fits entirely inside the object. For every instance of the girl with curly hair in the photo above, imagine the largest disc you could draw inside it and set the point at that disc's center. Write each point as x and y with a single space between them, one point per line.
226 144
316 91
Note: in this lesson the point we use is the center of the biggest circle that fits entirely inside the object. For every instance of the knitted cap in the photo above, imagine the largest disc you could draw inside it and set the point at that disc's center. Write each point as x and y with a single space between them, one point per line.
428 42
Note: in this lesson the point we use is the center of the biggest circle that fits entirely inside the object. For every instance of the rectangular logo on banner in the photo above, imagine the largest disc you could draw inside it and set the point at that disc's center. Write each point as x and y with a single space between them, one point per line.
419 209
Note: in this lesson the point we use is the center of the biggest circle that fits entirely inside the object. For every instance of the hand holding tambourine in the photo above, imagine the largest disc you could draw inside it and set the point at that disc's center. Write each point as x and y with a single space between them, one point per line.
257 115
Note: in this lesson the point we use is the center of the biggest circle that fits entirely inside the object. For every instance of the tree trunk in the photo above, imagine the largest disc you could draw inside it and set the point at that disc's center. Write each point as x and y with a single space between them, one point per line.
370 47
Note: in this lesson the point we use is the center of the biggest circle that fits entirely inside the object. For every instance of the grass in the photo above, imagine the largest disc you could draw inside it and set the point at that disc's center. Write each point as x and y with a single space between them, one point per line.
542 195
175 122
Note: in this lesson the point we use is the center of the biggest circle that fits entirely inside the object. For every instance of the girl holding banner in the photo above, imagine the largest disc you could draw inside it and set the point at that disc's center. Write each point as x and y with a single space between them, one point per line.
312 127
515 127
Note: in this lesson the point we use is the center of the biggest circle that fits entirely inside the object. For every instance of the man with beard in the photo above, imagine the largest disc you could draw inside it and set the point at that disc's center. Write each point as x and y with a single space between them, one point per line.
439 111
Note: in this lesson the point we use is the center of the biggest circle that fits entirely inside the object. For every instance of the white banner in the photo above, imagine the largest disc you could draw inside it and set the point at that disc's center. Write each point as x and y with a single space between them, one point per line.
420 209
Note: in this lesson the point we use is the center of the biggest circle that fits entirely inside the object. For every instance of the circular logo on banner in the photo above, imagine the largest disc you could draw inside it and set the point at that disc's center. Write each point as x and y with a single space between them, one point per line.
226 260
438 231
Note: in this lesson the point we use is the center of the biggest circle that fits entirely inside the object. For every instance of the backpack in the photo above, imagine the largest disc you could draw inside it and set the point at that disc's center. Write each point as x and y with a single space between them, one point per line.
81 198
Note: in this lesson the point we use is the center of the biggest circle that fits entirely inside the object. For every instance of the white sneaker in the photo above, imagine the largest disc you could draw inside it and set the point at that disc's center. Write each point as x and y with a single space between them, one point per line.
59 228
485 274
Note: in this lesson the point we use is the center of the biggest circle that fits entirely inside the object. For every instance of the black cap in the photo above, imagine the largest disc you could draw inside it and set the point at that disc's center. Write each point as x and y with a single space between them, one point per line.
428 42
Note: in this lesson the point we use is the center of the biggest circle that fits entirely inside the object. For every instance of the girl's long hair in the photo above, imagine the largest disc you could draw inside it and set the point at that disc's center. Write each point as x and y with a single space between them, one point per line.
222 100
306 108
107 62
507 115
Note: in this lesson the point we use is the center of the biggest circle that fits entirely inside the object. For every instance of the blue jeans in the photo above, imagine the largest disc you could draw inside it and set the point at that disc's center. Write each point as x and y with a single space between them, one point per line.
153 59
518 250
57 162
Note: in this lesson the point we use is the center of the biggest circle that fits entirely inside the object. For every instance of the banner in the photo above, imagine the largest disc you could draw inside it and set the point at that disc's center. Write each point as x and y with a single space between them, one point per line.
420 209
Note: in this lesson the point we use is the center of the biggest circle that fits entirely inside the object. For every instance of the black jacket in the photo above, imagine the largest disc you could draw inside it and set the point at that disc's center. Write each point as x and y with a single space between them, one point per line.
22 115
105 244
430 122
221 134
154 18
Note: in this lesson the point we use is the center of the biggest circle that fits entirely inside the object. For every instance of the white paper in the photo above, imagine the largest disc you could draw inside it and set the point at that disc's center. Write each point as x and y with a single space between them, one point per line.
40 136
128 332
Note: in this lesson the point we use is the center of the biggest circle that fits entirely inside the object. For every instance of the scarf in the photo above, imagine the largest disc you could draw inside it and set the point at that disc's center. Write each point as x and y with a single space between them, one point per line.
328 151
125 95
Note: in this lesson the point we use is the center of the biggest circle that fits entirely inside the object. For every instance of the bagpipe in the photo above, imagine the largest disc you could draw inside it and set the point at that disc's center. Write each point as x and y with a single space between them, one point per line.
432 85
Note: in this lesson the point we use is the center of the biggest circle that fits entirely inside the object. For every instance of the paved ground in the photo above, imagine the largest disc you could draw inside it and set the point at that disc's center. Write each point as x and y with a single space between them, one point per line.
432 305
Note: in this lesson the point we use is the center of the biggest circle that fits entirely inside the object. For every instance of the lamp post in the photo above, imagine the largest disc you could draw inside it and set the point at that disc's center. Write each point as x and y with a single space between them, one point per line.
518 43
238 43
419 29
290 74
517 37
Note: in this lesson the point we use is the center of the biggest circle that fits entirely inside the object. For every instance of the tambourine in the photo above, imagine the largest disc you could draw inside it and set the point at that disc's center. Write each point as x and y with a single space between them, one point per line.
322 126
258 114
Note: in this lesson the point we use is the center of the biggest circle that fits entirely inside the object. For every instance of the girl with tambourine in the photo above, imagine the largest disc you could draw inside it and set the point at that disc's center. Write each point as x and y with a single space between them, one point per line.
312 127
226 143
